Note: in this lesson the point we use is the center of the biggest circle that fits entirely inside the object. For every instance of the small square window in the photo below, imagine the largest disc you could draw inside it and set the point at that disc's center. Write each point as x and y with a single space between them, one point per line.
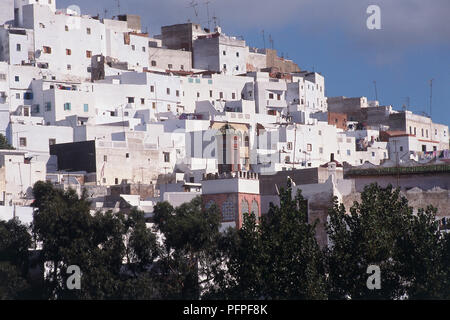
17 78
88 30
86 107
23 142
18 47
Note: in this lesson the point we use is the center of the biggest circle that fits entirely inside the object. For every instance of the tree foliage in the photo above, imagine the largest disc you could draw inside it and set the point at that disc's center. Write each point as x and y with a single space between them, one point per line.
382 230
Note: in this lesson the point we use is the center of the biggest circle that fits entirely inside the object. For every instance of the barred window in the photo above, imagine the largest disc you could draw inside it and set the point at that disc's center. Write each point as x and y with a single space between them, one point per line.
228 211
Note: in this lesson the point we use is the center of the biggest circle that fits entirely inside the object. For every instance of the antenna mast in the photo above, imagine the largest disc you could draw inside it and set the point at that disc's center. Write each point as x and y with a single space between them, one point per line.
207 2
194 5
376 91
431 96
264 39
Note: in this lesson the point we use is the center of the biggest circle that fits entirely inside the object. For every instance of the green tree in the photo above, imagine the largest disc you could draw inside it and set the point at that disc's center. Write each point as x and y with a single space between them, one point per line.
382 230
4 144
15 241
111 249
190 236
276 258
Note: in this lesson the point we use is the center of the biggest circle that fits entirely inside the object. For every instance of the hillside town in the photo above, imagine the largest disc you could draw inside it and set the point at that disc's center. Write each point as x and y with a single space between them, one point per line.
134 119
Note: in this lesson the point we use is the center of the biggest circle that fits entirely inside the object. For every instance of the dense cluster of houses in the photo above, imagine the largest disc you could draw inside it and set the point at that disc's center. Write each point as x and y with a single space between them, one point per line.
97 104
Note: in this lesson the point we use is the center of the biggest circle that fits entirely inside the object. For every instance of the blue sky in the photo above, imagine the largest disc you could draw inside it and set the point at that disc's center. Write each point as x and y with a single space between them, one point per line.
331 37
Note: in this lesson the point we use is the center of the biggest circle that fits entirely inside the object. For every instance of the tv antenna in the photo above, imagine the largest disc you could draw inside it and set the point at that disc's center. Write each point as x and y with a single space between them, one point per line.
264 39
207 2
118 6
431 96
376 91
193 4
271 41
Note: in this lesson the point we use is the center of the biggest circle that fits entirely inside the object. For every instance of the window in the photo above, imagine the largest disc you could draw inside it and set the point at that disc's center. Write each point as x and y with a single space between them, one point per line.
237 54
168 91
130 99
434 148
320 150
37 108
373 154
414 130
69 67
152 89
116 180
143 49
289 145
424 148
17 95
153 63
22 142
401 148
225 67
127 155
426 133
88 30
28 95
88 54
244 207
278 96
2 77
142 100
287 159
320 132
255 208
349 153
309 147
48 106
166 156
170 66
182 67
86 107
67 106
224 52
16 78
18 47
68 52
154 105
133 47
191 80
270 95
237 68
105 158
410 130
221 95
422 132
177 93
51 142
66 28
228 211
233 96
197 80
210 93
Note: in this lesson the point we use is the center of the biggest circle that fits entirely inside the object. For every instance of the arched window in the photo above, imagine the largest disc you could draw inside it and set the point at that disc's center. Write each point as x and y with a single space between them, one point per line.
244 207
228 211
255 209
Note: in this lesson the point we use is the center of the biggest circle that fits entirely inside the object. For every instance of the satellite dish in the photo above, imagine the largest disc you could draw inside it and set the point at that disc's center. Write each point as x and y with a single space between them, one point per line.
74 9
